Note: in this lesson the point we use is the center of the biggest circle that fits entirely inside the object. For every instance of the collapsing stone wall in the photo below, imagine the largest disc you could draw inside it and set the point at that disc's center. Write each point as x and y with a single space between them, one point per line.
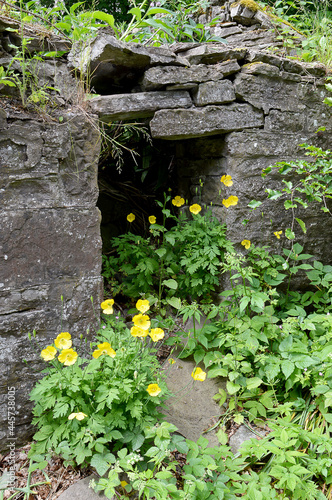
231 108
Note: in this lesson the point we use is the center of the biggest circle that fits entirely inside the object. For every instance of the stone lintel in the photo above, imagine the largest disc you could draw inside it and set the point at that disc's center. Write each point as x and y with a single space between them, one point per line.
139 105
210 120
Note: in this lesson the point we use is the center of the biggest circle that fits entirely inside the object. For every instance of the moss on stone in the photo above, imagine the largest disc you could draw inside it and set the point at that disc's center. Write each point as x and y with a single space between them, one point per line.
250 4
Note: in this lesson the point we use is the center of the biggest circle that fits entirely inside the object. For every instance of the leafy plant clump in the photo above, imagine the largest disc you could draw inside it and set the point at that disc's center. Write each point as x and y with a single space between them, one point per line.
174 262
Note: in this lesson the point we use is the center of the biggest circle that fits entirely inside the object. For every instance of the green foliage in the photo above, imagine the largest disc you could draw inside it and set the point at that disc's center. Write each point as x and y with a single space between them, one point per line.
119 410
182 261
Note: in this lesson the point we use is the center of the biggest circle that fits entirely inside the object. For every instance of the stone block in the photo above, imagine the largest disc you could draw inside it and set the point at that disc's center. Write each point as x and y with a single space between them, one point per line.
40 246
156 78
213 53
260 68
218 92
269 93
225 32
285 120
139 105
265 57
210 120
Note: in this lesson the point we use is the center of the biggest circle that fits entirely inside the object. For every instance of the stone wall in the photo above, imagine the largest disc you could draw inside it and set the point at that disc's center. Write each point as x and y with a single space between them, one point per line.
49 244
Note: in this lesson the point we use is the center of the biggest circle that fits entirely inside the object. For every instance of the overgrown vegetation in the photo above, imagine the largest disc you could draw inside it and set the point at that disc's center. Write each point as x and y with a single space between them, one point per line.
98 403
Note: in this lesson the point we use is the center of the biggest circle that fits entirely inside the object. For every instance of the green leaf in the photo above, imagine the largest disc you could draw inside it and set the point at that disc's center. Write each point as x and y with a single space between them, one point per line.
254 204
253 382
232 387
174 302
102 462
171 284
287 368
103 16
289 234
217 372
136 12
222 436
302 224
161 252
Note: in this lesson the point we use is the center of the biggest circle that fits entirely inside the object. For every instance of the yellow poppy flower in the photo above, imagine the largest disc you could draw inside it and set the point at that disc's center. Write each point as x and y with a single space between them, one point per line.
277 234
246 244
142 305
152 219
171 361
136 331
195 209
153 390
68 357
131 217
198 374
142 321
157 334
49 353
227 180
79 416
104 348
107 306
178 201
231 201
63 341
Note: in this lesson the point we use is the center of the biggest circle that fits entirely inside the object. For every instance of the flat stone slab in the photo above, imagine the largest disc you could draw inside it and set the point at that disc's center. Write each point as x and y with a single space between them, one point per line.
241 435
210 120
81 491
158 77
138 105
192 408
213 53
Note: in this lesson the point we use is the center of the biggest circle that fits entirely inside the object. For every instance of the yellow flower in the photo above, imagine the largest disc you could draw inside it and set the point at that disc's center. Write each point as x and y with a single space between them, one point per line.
178 201
198 374
68 357
131 217
195 209
277 234
153 390
231 200
171 361
142 305
63 341
246 244
104 348
78 416
157 334
142 321
227 180
152 219
49 353
107 306
123 484
136 331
